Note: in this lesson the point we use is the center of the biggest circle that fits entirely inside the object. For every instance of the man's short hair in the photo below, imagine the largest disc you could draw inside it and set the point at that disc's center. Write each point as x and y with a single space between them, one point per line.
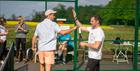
20 18
97 17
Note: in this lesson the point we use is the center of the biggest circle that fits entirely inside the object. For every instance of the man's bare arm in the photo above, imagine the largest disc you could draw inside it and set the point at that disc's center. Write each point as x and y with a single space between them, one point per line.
34 40
63 32
78 23
95 45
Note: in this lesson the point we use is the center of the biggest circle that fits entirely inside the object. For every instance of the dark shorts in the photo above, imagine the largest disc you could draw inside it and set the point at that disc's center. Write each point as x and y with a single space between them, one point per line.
93 65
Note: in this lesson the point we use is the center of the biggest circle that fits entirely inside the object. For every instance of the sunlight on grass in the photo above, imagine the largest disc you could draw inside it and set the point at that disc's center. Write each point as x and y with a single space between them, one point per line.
33 24
111 32
87 25
11 23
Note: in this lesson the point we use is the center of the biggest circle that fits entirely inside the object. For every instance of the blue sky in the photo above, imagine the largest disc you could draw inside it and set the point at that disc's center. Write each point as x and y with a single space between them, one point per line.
25 8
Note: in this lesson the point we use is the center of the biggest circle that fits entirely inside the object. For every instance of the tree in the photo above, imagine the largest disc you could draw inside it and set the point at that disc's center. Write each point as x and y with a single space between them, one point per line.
13 17
38 16
118 11
61 11
86 12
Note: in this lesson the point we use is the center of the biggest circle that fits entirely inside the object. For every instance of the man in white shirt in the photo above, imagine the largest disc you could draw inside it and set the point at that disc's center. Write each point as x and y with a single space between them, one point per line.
95 42
46 33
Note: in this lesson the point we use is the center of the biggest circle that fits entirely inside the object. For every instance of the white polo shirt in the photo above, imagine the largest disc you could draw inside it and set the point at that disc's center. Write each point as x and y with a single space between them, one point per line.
96 34
2 29
47 32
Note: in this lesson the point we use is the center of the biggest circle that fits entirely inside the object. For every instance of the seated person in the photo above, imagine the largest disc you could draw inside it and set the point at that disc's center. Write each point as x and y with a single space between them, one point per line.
65 42
117 40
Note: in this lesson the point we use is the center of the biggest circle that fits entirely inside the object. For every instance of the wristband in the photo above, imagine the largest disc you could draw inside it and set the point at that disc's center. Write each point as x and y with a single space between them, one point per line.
75 19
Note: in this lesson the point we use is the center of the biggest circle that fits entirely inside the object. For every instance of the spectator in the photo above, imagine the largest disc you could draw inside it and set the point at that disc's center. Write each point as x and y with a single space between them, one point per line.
21 32
63 46
3 33
117 40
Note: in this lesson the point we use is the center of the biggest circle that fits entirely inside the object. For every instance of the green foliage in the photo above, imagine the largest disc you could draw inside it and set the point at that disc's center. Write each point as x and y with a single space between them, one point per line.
61 11
118 12
13 17
38 16
85 12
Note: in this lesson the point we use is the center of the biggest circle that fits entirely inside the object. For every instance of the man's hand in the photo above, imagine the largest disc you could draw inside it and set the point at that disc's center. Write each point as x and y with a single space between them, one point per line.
20 28
33 48
83 44
74 14
76 27
76 19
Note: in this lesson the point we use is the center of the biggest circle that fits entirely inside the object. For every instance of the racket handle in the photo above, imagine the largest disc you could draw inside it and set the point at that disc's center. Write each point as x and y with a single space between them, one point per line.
79 30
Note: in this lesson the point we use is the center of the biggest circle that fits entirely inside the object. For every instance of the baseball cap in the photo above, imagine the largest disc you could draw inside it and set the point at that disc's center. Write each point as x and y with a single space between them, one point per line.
49 12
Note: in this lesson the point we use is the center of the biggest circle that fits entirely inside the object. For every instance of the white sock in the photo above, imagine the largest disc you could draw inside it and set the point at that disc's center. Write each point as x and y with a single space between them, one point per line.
59 53
64 58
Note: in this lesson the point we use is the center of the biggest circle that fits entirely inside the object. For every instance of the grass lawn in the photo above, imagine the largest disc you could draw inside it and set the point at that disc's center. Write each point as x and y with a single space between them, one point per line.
111 32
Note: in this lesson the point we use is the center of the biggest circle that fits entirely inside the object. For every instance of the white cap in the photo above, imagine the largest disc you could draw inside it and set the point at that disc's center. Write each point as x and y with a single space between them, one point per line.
49 12
61 19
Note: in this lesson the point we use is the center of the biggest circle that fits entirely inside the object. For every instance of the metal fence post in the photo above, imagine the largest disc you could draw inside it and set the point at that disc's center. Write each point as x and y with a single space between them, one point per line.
75 40
135 55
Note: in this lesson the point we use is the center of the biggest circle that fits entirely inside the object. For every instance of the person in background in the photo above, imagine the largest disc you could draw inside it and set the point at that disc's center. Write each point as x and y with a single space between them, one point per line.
46 33
117 40
65 46
64 42
21 30
3 34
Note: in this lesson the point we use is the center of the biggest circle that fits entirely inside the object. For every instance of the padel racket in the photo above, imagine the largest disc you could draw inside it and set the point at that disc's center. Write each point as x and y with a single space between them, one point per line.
29 54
